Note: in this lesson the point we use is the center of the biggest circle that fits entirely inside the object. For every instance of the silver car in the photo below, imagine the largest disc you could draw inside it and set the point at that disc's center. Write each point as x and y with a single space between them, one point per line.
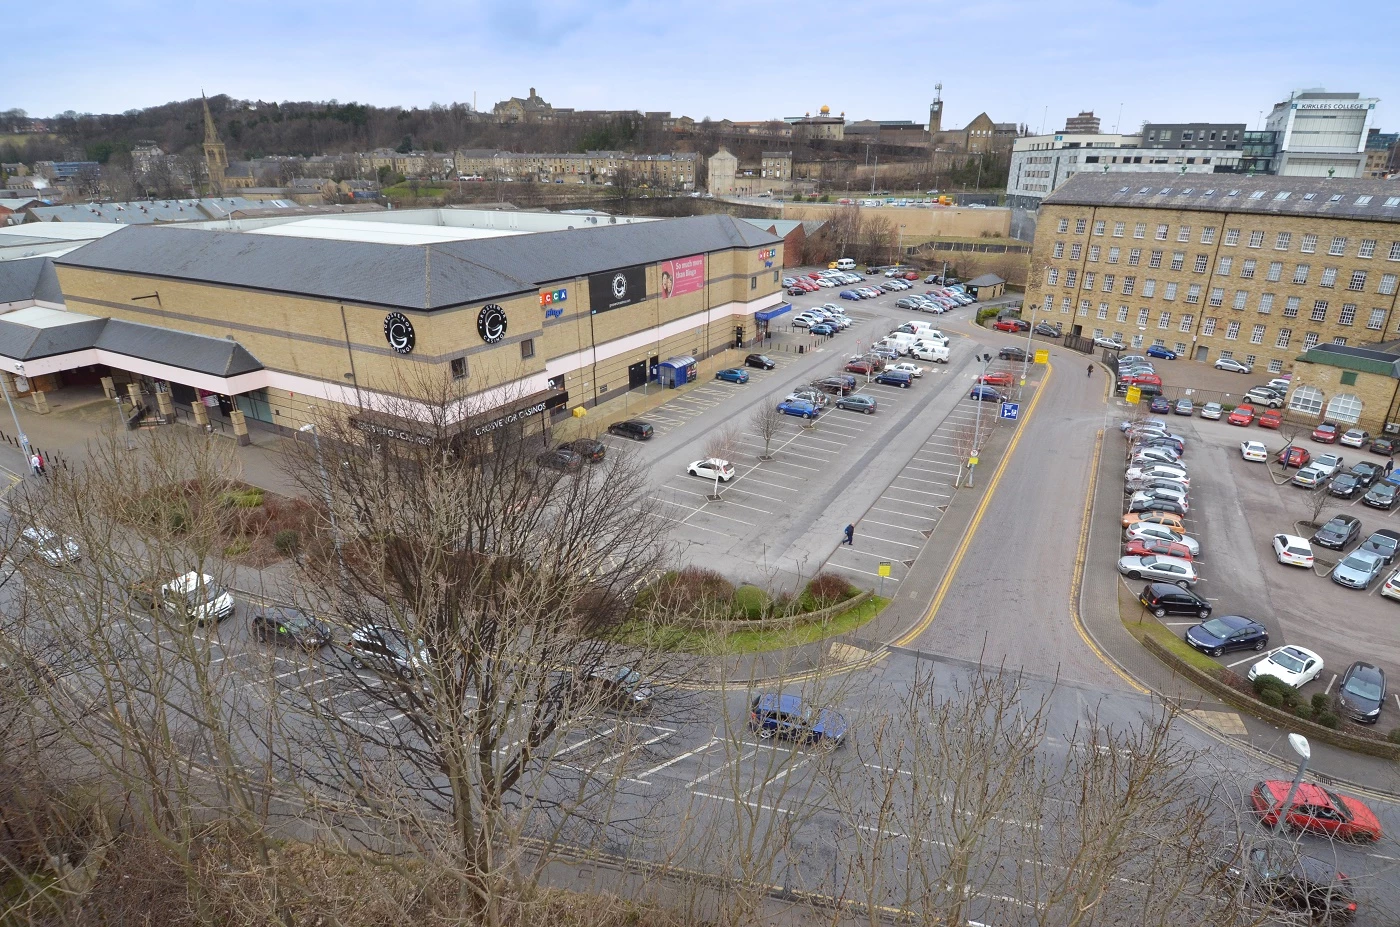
53 549
1144 530
1159 569
1358 570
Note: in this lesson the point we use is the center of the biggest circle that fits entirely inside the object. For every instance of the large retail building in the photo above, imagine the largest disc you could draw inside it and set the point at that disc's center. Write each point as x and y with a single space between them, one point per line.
530 314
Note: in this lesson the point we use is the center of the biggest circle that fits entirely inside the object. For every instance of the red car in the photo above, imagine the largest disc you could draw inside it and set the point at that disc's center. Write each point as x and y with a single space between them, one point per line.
860 367
1326 433
911 276
807 285
814 276
1149 547
1006 325
1316 809
1296 457
1143 379
1271 418
996 379
1243 415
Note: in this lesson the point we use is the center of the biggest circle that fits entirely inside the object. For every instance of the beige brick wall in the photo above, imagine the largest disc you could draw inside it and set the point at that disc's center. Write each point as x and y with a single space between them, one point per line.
1378 393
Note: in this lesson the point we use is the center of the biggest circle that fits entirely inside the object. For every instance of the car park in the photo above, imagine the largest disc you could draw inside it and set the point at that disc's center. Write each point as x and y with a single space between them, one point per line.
194 596
1183 407
761 361
1291 550
1228 363
1361 693
1264 396
1254 450
984 394
1288 883
1149 531
789 717
1381 496
1294 457
732 375
1384 543
1309 477
892 377
1340 531
564 459
1355 437
1217 636
1270 418
712 468
1315 809
857 403
800 408
1161 351
1243 416
1211 410
283 624
50 547
1344 486
1358 569
1326 433
634 429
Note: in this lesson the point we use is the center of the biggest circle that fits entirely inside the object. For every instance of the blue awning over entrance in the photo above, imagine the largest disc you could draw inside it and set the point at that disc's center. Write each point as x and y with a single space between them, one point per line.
766 314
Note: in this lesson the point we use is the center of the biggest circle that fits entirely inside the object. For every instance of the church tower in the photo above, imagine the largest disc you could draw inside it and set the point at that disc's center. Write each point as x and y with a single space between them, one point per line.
935 111
215 156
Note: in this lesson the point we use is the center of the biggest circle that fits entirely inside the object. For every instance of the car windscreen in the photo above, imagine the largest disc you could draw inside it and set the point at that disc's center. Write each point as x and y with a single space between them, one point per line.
1363 687
1217 628
1288 661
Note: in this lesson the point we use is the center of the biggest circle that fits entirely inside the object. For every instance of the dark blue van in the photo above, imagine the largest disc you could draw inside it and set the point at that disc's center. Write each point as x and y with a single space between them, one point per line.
788 717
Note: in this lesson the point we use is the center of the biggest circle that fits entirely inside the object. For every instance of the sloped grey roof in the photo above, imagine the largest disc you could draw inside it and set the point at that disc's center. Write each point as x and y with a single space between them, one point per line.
408 276
1306 196
985 280
218 357
29 278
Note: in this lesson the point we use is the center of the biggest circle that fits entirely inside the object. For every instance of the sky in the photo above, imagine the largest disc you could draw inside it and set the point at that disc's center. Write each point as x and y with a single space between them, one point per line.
1026 61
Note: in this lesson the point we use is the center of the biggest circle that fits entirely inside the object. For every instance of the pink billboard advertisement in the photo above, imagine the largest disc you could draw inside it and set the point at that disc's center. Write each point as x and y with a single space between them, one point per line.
682 276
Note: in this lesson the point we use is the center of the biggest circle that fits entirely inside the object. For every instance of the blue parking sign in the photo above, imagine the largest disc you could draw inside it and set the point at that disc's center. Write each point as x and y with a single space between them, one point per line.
1010 409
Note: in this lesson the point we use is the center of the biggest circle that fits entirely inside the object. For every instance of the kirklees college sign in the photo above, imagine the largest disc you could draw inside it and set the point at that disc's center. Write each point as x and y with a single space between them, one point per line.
1334 106
616 288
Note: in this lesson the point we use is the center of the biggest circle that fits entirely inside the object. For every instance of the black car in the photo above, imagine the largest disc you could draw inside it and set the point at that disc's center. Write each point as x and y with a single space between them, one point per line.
1163 599
1156 504
1384 543
1215 636
1386 446
1366 472
1283 881
590 449
1362 692
836 386
563 459
894 378
632 428
1339 532
617 687
1344 485
761 361
1016 354
282 624
1380 496
1048 330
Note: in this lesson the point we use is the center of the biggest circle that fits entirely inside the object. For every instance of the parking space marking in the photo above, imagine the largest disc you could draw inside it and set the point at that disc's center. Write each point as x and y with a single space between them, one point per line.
750 478
846 566
919 479
587 740
1253 659
927 505
871 521
715 772
922 492
683 521
1328 688
883 540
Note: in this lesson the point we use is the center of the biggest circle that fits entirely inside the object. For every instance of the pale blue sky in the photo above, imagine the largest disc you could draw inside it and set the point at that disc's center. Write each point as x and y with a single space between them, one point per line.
1019 60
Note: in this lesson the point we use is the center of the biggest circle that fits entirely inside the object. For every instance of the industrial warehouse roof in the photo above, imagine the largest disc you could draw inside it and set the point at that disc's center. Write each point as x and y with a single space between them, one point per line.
29 279
420 276
1321 197
35 332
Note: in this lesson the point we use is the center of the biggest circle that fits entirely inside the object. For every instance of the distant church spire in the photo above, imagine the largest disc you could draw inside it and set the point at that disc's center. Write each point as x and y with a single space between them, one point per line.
215 156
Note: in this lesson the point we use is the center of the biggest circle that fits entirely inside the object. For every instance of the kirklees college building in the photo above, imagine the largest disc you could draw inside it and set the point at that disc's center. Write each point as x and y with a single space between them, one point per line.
282 321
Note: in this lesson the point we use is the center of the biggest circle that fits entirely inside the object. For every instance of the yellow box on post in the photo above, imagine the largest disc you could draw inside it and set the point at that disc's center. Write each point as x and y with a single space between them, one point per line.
1042 356
1134 396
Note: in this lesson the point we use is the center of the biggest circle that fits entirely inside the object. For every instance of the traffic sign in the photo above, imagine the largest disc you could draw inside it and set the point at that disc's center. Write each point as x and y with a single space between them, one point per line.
1042 356
1010 410
884 568
1133 396
972 461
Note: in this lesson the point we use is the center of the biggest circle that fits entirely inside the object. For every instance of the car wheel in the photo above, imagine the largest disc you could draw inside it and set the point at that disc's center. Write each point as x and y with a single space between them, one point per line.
1160 612
1183 584
1134 575
904 386
405 673
1217 651
1203 614
869 411
1261 643
357 662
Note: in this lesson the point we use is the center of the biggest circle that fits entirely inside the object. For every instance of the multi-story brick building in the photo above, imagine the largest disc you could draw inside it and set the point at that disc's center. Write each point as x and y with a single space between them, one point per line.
1259 269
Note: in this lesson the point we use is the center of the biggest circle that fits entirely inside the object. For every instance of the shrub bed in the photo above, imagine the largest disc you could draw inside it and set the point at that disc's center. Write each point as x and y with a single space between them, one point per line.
247 524
700 598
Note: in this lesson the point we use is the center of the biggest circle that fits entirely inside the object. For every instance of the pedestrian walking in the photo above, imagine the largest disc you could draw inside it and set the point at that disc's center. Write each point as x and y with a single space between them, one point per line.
850 535
1090 374
36 463
42 463
1389 466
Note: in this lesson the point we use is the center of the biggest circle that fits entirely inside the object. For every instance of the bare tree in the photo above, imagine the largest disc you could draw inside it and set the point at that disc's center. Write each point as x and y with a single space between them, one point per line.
767 423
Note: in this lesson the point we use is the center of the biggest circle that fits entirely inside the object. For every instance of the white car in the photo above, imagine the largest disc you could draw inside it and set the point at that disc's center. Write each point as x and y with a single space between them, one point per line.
1151 455
1391 587
196 597
712 467
914 370
1146 530
1254 450
930 352
1159 569
1229 363
816 397
824 283
1158 472
1212 410
1329 464
53 549
1295 665
1170 495
1292 550
1279 383
1355 437
1110 343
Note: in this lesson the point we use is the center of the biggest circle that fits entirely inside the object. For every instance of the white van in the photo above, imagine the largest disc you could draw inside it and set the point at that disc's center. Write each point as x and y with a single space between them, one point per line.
903 340
920 326
926 350
933 335
845 264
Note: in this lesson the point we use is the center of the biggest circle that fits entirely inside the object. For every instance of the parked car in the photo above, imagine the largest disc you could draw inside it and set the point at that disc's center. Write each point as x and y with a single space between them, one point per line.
1380 496
1159 404
1151 455
1291 550
836 385
860 366
1045 329
891 377
732 375
1113 344
1339 532
1326 433
1159 569
1264 396
1310 477
1386 446
1011 353
1362 692
1289 883
1000 378
761 361
710 468
1184 407
1155 547
1315 809
387 649
789 717
1243 416
563 459
822 328
1358 569
1331 464
1391 587
1161 351
1384 543
1152 503
1175 473
283 624
1271 418
1228 363
1355 437
52 548
632 428
1170 519
914 370
1211 410
859 402
590 449
1148 531
927 351
1366 472
800 408
984 394
1344 486
620 688
1254 450
194 596
1218 636
849 294
1009 325
1294 457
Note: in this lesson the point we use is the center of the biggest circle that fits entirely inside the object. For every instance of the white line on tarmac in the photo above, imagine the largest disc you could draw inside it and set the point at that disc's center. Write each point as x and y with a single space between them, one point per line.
871 521
881 540
846 566
587 740
1328 688
715 772
646 743
926 505
922 492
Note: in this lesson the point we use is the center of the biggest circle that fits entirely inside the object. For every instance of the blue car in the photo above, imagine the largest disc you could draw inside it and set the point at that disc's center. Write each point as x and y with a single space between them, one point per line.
1227 632
894 378
732 375
849 294
799 407
789 718
984 394
1157 350
1160 405
822 328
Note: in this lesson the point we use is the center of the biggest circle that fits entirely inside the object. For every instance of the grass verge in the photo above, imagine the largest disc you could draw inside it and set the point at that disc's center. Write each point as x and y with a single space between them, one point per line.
740 642
1140 624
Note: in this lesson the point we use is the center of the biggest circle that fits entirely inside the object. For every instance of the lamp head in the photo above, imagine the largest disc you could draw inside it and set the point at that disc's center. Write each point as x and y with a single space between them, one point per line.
1299 743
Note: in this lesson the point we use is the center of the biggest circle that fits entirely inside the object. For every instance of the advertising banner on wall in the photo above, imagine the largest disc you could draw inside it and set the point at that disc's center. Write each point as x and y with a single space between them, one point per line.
616 288
682 276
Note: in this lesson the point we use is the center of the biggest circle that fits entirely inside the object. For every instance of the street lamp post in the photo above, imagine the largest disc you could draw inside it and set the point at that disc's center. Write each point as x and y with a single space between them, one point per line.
310 428
19 432
1299 743
986 360
1026 363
